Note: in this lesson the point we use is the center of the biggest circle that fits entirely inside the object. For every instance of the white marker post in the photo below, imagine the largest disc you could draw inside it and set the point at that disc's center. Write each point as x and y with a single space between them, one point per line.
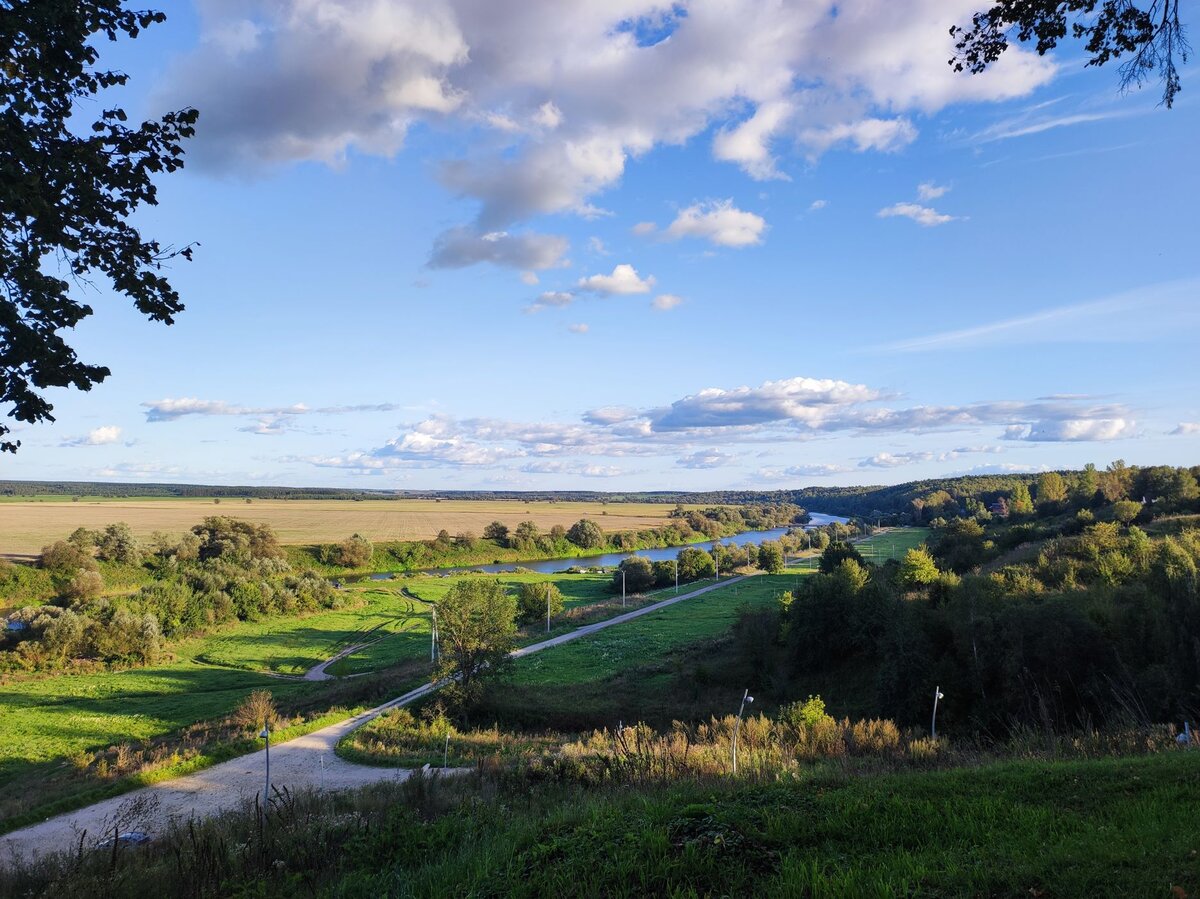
266 735
737 725
937 694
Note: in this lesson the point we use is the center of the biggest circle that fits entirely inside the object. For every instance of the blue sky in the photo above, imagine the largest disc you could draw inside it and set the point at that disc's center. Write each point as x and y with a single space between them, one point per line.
634 245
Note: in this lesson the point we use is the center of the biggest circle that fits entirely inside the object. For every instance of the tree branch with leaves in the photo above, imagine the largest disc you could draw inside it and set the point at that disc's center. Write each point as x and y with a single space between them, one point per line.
67 191
1149 37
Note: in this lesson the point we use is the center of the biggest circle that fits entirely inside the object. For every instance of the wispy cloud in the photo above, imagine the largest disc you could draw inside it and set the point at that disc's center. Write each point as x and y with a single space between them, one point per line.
1119 318
925 216
173 409
1010 128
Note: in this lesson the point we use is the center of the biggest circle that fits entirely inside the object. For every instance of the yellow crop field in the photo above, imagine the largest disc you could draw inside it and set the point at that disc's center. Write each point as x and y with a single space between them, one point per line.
28 525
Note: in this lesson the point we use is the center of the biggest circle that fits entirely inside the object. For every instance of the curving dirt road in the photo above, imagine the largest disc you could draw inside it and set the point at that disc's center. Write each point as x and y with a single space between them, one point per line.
302 762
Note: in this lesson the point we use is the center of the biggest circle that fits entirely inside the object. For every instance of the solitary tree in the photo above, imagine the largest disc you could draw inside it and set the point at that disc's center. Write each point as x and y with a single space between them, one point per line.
1126 510
638 574
116 543
1146 34
770 557
1019 501
477 624
497 531
532 599
67 191
835 552
586 534
917 569
695 564
353 552
1051 489
525 536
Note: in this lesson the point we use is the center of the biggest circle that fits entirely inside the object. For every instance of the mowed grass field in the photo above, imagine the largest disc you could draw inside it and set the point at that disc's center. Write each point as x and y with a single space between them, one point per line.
650 637
46 721
890 544
26 525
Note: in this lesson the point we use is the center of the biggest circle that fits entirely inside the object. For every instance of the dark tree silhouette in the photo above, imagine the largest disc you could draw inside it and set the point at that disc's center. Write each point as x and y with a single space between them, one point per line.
67 190
1148 36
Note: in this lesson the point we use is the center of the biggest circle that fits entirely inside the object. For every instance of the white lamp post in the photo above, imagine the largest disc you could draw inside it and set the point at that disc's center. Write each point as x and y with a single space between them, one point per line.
737 725
622 588
937 694
265 734
677 574
547 608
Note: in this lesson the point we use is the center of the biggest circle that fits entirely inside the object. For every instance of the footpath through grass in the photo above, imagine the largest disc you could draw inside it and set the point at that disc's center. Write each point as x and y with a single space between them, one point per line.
650 637
62 735
1105 828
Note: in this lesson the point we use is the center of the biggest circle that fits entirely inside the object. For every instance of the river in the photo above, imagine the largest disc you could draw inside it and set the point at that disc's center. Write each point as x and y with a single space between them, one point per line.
608 560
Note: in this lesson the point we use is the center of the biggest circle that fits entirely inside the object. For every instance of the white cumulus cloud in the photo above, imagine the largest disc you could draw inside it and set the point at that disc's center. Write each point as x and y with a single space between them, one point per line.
101 436
623 281
572 92
719 222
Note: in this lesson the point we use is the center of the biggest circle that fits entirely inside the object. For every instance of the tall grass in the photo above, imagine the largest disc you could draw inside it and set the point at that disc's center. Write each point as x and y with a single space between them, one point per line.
1112 827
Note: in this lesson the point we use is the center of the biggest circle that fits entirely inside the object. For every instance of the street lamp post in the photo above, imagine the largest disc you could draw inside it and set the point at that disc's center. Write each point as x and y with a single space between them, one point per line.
266 735
547 607
622 588
737 725
937 694
433 638
677 574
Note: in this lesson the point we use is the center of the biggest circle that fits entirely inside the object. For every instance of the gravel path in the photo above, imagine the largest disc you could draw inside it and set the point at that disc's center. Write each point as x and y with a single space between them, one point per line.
318 672
302 762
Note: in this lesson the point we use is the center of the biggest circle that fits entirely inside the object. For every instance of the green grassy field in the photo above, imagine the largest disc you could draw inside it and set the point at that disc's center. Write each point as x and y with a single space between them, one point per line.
891 544
52 727
649 637
677 663
1102 828
293 647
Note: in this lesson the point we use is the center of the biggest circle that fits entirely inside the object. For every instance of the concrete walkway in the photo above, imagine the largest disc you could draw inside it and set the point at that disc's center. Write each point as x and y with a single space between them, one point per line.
306 762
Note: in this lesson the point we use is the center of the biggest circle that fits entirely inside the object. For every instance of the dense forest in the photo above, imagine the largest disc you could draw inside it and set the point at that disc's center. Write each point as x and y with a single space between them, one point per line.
911 502
1074 604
